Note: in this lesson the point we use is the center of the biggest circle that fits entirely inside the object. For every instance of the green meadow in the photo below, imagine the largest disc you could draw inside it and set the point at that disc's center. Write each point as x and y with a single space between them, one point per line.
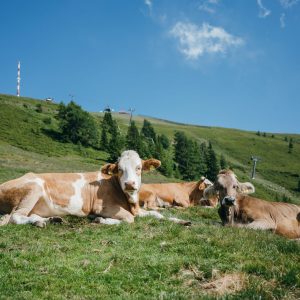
150 259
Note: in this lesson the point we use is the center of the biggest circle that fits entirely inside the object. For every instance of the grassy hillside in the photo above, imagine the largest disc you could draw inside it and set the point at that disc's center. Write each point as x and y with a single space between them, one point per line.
278 171
149 259
21 126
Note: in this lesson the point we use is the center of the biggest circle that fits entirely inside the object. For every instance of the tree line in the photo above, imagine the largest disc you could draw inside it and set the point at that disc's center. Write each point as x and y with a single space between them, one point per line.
183 158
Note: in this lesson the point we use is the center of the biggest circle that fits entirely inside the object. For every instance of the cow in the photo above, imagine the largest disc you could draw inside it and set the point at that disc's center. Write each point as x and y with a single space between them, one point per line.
183 194
111 195
239 209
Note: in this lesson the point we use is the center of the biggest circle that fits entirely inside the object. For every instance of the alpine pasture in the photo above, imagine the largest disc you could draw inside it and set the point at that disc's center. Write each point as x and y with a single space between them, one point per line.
149 259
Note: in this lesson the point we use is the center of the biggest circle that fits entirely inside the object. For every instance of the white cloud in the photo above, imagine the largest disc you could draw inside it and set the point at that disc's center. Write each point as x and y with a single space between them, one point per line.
209 6
149 4
282 20
263 12
288 3
195 41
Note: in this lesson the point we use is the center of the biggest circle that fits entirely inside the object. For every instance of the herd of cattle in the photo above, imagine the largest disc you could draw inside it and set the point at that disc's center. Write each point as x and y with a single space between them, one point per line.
115 194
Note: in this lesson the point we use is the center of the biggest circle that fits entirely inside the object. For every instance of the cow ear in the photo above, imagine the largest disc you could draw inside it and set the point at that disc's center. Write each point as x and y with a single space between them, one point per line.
202 185
210 192
246 188
110 169
150 164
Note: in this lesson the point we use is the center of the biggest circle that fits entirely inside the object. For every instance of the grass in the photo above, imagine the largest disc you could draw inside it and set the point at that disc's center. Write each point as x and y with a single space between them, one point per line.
150 259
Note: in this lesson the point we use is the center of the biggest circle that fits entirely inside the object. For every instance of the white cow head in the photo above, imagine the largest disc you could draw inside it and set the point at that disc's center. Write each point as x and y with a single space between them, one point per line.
129 170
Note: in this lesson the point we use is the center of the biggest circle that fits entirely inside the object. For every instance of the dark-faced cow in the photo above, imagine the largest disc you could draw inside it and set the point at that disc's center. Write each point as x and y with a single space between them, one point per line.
183 194
40 198
239 209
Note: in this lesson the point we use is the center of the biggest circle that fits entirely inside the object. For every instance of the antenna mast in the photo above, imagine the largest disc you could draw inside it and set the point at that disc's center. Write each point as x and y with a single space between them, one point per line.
18 79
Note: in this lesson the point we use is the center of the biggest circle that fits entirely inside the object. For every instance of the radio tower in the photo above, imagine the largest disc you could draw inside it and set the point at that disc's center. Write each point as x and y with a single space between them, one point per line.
18 79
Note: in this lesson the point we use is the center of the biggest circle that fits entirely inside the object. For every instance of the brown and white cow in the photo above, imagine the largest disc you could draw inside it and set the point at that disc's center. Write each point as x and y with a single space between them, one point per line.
40 198
241 210
183 194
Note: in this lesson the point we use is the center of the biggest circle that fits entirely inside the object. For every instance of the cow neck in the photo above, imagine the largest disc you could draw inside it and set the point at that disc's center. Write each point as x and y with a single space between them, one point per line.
91 190
117 186
133 207
191 186
229 215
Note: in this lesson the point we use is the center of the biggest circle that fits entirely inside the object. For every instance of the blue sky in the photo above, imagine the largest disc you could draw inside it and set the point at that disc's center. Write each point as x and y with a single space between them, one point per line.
228 63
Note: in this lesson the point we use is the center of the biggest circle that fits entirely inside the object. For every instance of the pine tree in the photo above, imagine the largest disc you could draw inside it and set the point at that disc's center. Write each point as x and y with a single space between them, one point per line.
164 141
108 122
148 131
212 164
115 144
189 157
181 152
258 133
223 162
148 139
146 148
194 160
104 139
133 139
166 158
203 162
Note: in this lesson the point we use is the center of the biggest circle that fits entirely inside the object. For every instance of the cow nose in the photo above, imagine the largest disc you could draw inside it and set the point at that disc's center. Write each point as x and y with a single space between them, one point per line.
129 185
228 200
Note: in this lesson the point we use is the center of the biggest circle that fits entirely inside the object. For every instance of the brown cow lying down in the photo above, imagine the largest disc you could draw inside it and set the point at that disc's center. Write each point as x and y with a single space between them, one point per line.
238 209
182 194
40 198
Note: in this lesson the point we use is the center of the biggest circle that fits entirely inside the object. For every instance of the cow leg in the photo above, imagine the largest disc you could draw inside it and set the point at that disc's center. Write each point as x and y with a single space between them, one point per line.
115 215
21 214
259 225
182 202
107 221
157 215
32 219
4 219
151 202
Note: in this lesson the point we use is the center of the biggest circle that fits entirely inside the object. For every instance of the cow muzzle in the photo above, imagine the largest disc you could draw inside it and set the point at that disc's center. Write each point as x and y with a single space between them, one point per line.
130 187
228 201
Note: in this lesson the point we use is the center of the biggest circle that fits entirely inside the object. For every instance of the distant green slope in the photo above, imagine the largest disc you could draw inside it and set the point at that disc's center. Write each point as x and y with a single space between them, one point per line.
34 134
277 171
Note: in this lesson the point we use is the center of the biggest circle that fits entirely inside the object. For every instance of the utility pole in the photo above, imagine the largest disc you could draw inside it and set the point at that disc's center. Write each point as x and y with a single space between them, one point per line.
131 110
18 79
255 159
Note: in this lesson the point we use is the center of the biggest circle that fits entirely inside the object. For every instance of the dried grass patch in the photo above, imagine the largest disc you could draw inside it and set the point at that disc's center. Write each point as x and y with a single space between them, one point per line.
219 284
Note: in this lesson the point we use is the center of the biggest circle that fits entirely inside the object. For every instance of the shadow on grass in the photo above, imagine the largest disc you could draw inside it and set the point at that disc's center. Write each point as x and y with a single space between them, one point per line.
53 134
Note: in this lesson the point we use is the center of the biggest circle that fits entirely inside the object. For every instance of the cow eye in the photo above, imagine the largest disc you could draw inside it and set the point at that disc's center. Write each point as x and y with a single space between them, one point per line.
138 168
120 170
